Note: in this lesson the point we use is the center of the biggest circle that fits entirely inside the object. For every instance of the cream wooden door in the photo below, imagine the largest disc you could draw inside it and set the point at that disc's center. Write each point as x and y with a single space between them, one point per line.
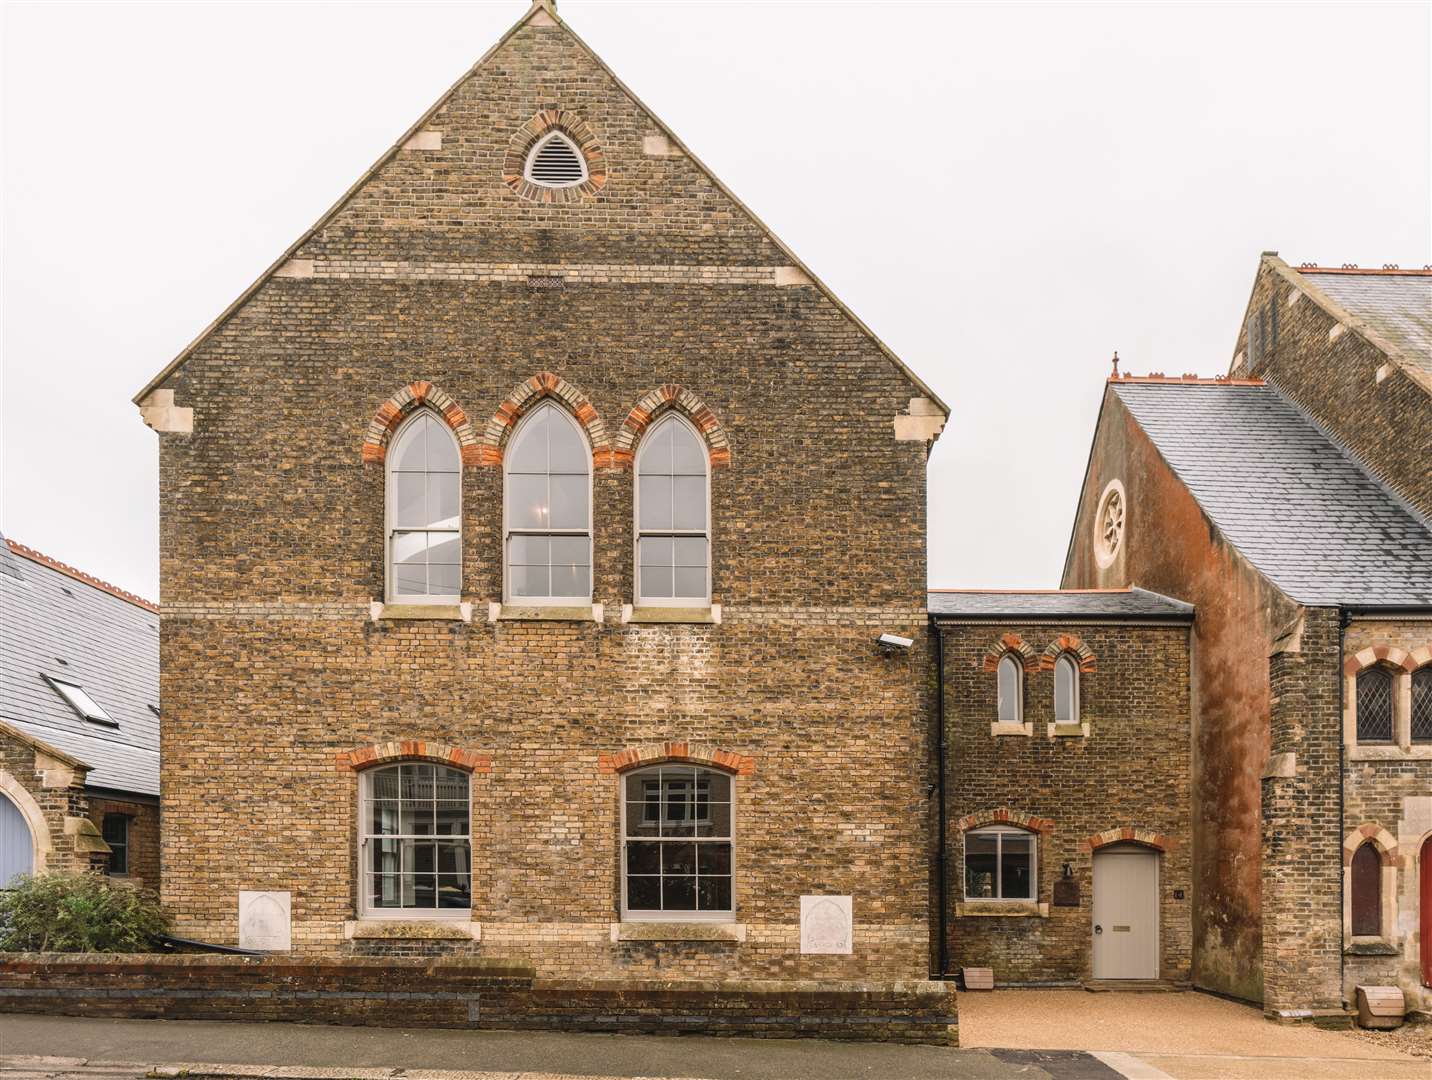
1126 913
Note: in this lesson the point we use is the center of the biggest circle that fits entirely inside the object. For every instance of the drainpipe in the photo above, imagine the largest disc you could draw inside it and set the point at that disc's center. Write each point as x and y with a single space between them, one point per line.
1344 618
941 854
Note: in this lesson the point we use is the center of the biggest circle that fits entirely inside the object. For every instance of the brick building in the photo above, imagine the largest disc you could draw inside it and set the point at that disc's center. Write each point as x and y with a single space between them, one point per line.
1065 730
1289 503
526 535
79 723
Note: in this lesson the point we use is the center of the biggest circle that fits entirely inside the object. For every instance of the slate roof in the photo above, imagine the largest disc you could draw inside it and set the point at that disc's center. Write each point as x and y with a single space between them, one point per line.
1397 306
109 642
1133 603
1298 506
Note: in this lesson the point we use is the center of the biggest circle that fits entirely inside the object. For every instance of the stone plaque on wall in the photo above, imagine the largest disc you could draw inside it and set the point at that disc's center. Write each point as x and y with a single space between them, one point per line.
264 922
826 924
1066 892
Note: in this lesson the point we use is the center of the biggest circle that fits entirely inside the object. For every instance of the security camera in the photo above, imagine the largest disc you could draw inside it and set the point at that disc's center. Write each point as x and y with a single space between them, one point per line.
892 642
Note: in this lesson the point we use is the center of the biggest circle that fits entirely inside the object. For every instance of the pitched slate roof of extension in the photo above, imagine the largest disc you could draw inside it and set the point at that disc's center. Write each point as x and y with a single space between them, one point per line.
1133 603
1298 506
1397 305
108 640
545 12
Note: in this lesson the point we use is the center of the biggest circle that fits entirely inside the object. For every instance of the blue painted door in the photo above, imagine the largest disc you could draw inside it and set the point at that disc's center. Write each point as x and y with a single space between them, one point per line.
17 851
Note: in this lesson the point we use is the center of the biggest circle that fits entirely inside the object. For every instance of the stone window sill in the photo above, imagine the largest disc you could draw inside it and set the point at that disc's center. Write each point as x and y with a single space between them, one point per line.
998 728
678 931
1069 731
381 612
1002 909
710 615
1370 947
544 613
1384 752
435 929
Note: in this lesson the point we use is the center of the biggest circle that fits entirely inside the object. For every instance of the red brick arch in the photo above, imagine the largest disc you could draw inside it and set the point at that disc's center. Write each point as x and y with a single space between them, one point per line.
1004 815
1130 834
688 753
575 128
1387 655
403 404
386 753
1011 643
525 396
672 398
1067 643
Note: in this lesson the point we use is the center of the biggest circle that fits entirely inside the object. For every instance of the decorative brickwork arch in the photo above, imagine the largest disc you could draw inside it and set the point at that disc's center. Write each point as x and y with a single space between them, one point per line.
1389 655
575 128
1130 834
668 398
1003 815
1375 899
41 846
385 753
1011 643
527 394
1383 840
685 752
402 404
1067 643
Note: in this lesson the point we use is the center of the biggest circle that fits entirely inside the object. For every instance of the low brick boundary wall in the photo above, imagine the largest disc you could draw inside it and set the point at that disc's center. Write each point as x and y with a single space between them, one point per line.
465 992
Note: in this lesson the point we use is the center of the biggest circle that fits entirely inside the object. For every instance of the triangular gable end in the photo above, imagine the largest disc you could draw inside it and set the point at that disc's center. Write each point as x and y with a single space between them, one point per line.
542 13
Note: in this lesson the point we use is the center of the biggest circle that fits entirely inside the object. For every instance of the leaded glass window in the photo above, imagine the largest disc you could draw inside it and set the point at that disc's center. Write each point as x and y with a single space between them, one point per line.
549 510
1374 705
999 864
416 845
424 512
677 843
1422 705
673 527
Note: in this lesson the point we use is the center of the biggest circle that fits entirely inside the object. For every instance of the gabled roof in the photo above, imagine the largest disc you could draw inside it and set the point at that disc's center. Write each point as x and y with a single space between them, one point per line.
1390 307
1297 505
545 11
108 640
1130 603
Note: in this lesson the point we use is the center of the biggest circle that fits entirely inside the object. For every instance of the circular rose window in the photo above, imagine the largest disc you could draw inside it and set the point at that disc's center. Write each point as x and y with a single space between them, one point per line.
1109 524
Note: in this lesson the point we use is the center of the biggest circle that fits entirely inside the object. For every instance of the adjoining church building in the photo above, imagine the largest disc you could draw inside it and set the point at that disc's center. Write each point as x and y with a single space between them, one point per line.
527 532
79 723
1289 503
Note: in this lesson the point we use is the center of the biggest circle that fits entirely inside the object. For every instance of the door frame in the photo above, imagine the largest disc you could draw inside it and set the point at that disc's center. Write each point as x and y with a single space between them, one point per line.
1424 907
1125 848
34 819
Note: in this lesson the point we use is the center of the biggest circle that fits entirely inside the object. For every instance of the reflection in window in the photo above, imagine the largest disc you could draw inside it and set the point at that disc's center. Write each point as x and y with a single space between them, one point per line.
1066 690
677 843
416 854
999 864
424 515
548 507
1374 705
1011 690
673 538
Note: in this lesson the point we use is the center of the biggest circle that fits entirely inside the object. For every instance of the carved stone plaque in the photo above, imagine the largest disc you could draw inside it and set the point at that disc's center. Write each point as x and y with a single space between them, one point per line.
1066 892
264 921
826 924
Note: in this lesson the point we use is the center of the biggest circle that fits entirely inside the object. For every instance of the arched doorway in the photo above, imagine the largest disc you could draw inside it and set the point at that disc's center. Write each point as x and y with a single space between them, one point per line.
17 846
1126 912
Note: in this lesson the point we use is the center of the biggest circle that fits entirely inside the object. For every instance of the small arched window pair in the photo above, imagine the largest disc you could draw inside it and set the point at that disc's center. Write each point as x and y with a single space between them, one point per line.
1010 677
1377 708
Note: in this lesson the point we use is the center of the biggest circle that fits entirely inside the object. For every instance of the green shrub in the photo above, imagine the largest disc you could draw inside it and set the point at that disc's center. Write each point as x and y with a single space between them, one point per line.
78 913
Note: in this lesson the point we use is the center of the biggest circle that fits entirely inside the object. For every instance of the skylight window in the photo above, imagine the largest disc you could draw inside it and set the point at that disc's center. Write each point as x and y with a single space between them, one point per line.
556 162
79 700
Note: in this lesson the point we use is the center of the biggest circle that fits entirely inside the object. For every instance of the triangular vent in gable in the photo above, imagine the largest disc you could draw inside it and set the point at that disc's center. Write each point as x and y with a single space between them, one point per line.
556 162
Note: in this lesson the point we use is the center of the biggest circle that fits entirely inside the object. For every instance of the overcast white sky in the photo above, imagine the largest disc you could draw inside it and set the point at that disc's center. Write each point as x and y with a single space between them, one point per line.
1083 178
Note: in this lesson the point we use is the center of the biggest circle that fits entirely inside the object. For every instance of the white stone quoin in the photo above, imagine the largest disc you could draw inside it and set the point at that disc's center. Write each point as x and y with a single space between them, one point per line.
826 924
264 921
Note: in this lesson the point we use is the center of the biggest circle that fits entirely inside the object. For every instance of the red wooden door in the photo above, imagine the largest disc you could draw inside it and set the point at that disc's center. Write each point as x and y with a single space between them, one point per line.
1425 911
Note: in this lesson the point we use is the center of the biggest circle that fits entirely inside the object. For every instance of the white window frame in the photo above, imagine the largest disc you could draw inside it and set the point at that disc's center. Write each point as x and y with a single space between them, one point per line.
645 915
670 601
80 699
999 831
508 531
537 147
1015 662
400 914
1068 661
390 515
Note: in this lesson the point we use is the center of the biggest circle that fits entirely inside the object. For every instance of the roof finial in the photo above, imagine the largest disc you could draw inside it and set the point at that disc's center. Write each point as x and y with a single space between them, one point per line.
1116 363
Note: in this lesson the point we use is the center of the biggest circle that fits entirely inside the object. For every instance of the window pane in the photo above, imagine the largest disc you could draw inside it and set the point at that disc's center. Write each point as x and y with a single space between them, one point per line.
453 857
656 582
568 451
691 551
444 580
528 452
718 786
678 858
569 502
416 781
690 582
644 893
571 581
424 891
678 894
416 819
690 455
452 818
643 858
442 449
529 550
444 548
384 892
571 551
411 452
714 819
654 496
527 502
1374 706
454 891
1422 705
713 893
442 501
690 502
449 783
383 816
1009 688
410 506
979 866
384 784
386 856
1064 691
713 859
656 550
1017 867
531 581
656 453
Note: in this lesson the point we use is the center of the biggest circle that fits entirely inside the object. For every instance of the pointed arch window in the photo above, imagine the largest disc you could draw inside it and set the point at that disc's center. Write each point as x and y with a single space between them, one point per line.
1374 705
1010 677
1366 891
555 161
673 517
548 500
424 513
1066 690
1422 705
